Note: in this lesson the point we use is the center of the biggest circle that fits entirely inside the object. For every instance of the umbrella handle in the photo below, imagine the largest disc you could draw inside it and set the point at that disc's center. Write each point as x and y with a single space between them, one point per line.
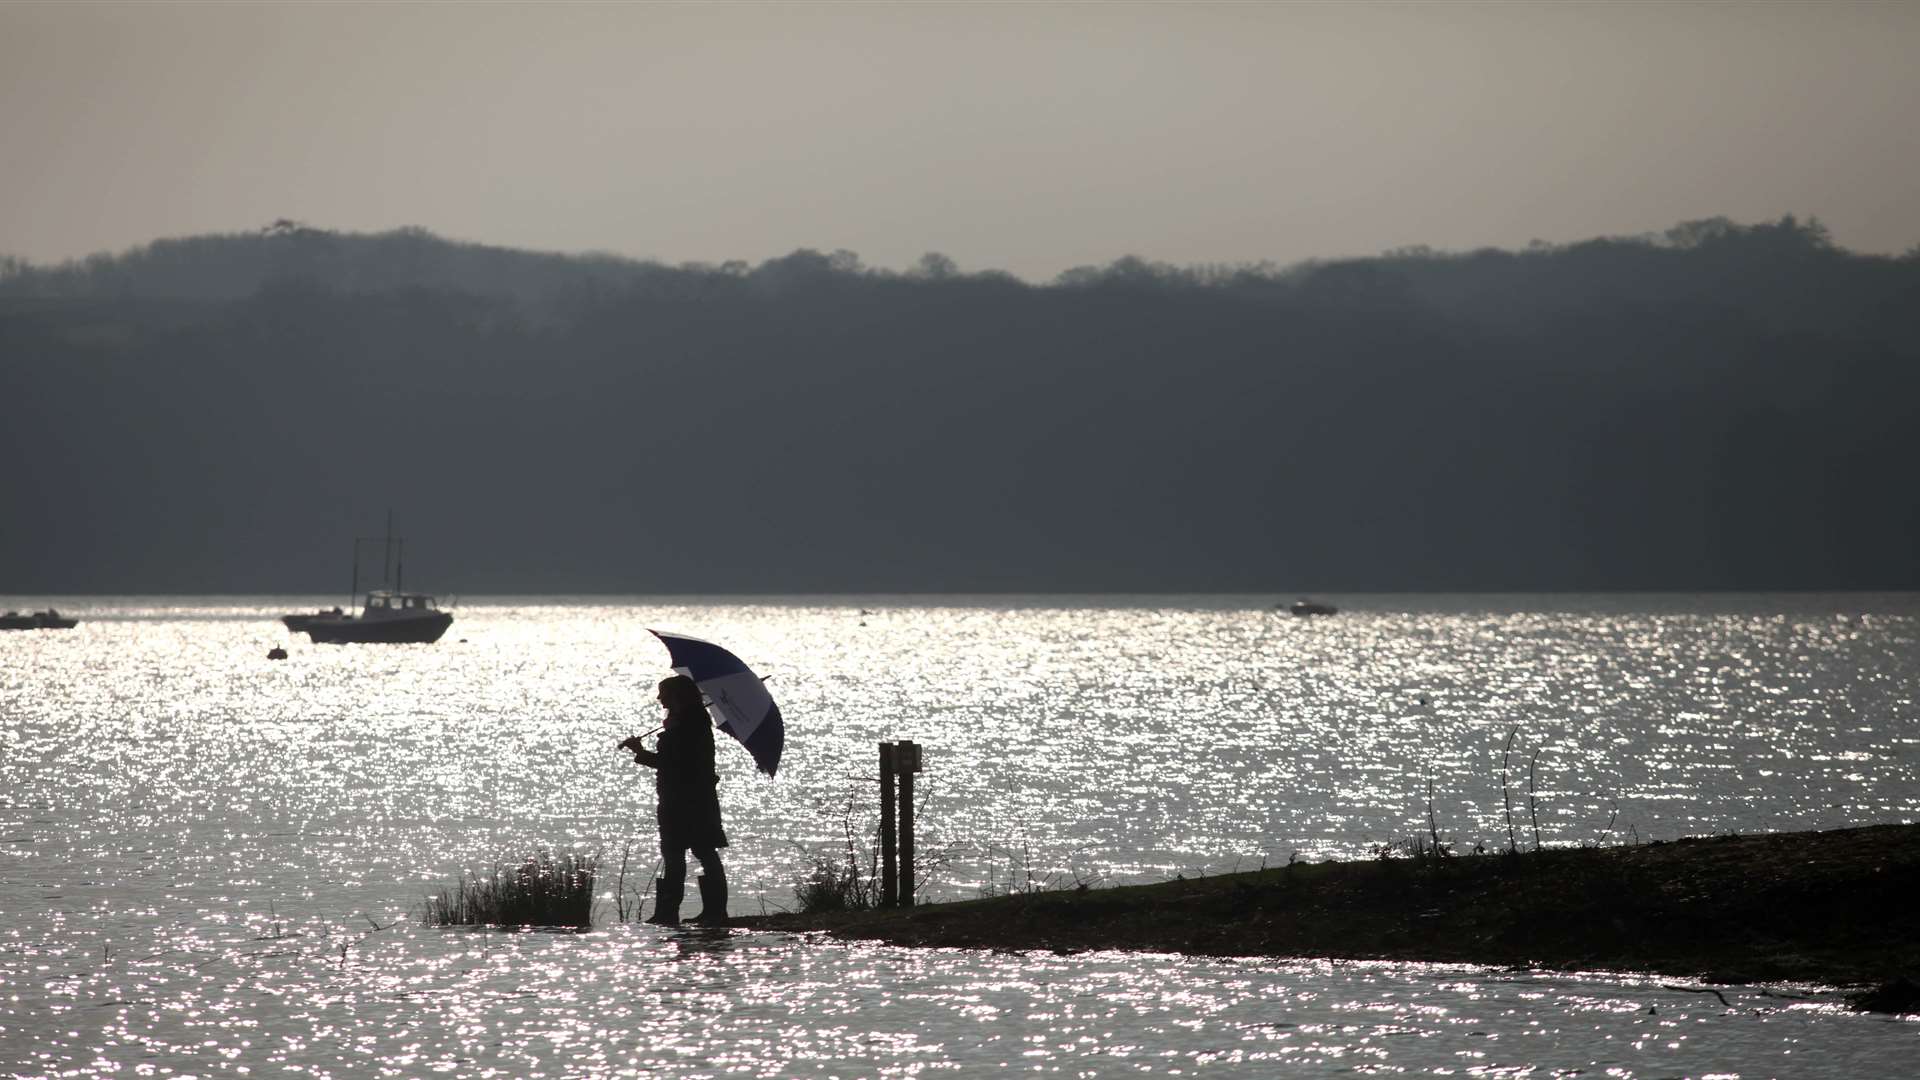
635 740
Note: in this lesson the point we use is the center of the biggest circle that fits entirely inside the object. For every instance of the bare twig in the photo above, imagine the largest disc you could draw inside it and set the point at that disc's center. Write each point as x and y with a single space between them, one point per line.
620 883
1433 824
1699 990
1533 812
1506 794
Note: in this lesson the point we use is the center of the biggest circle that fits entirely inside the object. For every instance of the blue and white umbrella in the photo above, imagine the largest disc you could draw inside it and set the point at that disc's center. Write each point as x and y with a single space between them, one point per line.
736 695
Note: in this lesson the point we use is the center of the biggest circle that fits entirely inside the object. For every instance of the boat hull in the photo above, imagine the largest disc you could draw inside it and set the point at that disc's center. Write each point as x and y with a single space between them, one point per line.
299 623
420 629
36 620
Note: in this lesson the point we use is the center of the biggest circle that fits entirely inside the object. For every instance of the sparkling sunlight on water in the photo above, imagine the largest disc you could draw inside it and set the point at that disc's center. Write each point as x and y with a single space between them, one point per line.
213 864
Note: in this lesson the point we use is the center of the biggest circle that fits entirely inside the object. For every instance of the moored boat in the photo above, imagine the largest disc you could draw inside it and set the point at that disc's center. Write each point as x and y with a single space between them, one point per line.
1304 606
299 623
389 618
37 620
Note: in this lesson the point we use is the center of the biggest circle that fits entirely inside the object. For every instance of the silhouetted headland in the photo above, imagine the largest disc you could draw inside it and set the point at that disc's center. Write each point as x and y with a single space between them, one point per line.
1828 907
1719 406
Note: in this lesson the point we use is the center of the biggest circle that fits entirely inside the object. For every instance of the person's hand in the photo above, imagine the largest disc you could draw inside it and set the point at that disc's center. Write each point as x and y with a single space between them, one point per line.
640 752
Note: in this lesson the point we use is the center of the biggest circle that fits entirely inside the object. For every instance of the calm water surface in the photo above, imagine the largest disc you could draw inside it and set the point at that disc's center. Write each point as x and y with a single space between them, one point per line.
213 864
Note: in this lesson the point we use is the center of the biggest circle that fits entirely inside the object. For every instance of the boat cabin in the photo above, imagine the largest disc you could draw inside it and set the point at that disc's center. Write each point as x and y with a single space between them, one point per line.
387 602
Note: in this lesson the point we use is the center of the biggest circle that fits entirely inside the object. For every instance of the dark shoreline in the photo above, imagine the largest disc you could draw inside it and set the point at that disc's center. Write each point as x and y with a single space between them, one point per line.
1833 907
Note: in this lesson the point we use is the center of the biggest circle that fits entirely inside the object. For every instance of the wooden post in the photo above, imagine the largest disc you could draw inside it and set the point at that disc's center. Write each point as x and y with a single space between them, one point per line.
889 869
908 762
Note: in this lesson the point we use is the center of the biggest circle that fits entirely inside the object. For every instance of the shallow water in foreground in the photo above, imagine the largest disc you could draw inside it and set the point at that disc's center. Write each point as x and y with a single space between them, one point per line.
211 863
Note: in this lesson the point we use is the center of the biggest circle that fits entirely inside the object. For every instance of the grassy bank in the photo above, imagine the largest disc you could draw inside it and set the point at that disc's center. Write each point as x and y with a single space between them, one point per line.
1834 907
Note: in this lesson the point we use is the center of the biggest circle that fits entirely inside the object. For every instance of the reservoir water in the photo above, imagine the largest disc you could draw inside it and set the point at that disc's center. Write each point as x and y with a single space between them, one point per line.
214 864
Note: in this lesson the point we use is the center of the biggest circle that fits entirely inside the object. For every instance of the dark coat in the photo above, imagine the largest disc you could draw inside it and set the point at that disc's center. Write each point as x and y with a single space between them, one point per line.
689 807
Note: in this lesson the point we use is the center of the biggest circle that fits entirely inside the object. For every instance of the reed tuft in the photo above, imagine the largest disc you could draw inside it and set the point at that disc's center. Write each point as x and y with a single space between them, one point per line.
543 890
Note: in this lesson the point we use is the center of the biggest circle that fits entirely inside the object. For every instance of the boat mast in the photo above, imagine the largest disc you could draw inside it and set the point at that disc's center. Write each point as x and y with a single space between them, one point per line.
386 557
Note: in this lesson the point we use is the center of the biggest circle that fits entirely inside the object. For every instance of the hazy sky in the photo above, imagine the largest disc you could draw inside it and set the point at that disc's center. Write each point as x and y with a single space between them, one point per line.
1026 137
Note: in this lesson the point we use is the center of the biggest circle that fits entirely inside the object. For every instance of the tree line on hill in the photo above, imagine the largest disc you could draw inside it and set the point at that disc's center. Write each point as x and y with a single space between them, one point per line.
1721 406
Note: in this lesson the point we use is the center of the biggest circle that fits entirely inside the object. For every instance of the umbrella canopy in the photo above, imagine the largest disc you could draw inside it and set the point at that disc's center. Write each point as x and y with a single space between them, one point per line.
735 694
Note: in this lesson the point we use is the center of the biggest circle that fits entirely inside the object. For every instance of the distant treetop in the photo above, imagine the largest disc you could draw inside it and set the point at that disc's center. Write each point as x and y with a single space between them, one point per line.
236 265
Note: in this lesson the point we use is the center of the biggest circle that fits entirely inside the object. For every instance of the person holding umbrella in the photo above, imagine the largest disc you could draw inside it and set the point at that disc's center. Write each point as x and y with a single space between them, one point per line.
688 806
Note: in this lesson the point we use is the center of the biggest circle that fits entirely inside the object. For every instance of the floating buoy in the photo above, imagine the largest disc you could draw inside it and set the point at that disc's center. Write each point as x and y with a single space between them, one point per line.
276 653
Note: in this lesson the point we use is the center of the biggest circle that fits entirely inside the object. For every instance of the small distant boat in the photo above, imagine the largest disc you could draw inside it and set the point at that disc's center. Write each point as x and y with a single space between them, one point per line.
299 623
389 618
37 620
1304 606
392 616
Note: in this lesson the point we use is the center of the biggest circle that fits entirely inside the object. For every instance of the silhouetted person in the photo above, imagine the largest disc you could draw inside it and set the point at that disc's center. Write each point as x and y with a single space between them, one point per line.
688 807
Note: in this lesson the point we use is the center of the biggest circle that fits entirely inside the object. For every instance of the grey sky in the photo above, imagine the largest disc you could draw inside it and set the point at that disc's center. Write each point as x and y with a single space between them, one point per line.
1027 137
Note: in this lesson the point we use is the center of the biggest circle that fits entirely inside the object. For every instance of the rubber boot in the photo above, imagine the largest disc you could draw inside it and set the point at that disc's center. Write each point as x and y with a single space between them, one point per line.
666 902
713 901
